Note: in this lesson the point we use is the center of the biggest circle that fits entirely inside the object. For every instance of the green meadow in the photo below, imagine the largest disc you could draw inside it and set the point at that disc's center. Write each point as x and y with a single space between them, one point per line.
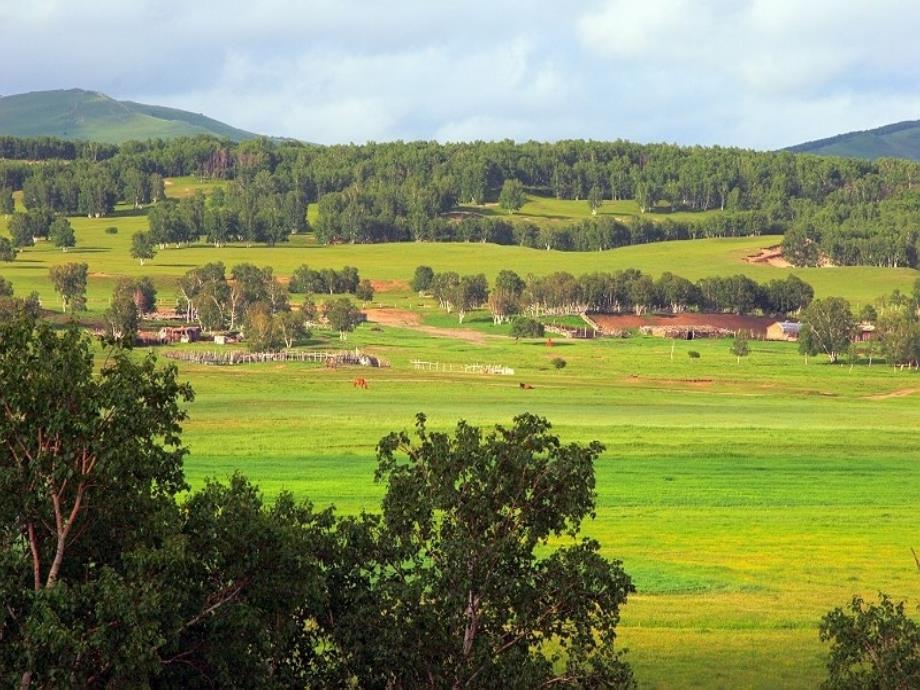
549 210
745 499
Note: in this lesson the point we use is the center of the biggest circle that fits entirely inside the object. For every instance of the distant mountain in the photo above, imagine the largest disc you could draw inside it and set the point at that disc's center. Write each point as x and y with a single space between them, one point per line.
79 114
900 140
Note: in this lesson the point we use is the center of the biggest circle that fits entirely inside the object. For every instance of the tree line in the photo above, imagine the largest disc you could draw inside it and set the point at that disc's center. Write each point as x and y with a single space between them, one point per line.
628 290
848 211
868 230
829 327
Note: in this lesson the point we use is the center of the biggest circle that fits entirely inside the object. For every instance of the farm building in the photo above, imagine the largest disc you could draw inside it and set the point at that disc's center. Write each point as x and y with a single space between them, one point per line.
864 331
783 330
686 325
182 334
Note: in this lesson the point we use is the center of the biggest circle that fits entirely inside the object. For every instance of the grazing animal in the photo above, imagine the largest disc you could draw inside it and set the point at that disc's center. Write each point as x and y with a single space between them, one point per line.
360 383
525 386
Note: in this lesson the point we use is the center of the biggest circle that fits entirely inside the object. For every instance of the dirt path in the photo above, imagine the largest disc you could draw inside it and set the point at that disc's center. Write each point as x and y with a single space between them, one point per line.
389 285
900 393
403 318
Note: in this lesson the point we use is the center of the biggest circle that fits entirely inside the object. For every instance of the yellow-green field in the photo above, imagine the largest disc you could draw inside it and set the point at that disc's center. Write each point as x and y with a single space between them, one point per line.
745 499
545 209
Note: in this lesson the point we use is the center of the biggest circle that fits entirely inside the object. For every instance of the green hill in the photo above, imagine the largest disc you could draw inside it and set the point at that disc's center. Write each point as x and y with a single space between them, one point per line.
900 140
79 114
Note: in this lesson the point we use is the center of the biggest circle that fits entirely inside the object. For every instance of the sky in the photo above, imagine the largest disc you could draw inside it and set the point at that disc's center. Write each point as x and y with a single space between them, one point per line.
755 73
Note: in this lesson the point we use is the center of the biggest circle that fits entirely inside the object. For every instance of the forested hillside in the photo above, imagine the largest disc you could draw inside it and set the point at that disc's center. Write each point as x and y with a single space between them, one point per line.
899 140
831 209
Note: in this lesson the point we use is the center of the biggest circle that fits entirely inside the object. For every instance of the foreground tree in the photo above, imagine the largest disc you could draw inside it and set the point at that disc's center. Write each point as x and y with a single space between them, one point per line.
456 594
70 446
827 327
12 308
69 281
107 581
872 646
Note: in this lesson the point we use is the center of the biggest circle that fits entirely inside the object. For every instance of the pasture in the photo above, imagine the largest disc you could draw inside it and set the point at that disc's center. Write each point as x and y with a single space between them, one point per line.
544 210
745 499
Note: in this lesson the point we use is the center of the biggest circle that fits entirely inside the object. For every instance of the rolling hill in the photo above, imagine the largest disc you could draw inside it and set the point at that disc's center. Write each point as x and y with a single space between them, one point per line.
79 114
900 140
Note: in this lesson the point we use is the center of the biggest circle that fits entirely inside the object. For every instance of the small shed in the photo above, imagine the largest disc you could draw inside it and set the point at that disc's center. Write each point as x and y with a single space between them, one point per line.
783 330
865 331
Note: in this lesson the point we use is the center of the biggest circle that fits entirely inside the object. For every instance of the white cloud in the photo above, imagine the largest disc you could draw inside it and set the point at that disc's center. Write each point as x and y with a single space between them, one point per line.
752 72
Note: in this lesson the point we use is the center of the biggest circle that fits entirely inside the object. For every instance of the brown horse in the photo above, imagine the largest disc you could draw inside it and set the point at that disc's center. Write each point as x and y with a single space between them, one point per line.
359 383
525 386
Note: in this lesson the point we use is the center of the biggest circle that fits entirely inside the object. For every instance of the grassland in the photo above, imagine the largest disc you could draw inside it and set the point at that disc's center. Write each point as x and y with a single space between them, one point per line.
745 499
549 210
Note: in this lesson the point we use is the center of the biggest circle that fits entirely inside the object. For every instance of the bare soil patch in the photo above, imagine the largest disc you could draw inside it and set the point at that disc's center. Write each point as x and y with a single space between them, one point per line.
732 322
772 256
403 318
389 285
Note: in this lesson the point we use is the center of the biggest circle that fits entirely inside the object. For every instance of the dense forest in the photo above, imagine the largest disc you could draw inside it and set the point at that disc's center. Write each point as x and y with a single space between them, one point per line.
830 209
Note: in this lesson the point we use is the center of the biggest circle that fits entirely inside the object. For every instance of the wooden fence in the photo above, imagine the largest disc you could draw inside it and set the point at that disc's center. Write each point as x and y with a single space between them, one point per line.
451 368
234 357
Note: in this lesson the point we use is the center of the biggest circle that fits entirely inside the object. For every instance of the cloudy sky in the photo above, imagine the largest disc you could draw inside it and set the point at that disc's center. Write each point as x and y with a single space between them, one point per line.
755 73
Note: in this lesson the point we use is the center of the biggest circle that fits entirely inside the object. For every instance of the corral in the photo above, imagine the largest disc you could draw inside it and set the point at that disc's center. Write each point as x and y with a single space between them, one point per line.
686 325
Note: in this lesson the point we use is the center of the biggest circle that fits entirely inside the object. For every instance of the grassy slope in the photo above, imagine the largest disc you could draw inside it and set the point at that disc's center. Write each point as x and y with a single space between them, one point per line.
541 209
78 114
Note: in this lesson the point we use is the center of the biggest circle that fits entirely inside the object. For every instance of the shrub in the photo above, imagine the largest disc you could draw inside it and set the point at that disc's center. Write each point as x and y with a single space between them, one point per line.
559 363
693 354
523 327
111 230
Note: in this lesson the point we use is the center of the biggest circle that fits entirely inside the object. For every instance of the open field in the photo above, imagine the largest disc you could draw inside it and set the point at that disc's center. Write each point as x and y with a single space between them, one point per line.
544 209
745 499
